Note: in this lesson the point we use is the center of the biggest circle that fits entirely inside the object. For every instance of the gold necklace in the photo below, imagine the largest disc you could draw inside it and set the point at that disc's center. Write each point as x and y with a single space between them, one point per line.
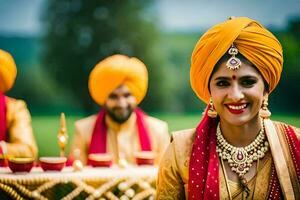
240 159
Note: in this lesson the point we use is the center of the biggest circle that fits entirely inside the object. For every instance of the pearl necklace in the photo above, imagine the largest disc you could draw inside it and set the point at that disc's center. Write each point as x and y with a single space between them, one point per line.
240 159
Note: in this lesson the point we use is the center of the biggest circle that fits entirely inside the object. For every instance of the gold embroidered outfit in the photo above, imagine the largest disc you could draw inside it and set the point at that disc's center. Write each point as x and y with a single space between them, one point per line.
173 176
122 139
20 138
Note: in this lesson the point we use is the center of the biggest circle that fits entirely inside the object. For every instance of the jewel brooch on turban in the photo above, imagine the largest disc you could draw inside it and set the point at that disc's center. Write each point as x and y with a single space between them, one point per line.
233 62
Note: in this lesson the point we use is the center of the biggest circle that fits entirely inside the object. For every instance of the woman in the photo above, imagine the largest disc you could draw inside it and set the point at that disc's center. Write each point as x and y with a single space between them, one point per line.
236 152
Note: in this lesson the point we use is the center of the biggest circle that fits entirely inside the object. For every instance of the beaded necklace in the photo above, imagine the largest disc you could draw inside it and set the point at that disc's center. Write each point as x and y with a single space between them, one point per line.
240 159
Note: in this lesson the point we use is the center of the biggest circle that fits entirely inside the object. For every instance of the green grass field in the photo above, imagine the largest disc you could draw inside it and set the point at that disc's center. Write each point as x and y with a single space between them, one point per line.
47 127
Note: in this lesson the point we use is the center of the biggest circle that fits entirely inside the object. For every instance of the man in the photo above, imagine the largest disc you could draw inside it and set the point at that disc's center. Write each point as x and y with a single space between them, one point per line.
119 84
16 137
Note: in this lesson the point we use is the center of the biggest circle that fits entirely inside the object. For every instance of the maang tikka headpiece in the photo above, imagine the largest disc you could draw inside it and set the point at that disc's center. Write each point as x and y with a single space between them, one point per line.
233 63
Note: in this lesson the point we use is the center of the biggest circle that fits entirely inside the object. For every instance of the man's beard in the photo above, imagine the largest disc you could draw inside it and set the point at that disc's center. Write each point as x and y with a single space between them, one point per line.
119 118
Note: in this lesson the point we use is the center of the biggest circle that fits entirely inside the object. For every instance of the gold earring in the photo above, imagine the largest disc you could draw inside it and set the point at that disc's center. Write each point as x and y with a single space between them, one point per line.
264 112
212 113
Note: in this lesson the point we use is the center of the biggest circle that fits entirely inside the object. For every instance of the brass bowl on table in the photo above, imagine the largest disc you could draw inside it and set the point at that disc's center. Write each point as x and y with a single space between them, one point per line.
53 163
144 158
100 160
20 164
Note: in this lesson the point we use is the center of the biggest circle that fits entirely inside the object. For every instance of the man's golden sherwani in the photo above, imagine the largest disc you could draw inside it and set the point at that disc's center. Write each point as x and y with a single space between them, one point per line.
20 139
122 139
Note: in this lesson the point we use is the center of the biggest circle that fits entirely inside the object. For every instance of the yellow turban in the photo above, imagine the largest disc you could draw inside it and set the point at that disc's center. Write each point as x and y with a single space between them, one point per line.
8 71
114 71
253 41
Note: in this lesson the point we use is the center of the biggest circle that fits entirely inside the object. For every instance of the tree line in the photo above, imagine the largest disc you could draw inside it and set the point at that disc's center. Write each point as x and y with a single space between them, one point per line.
78 34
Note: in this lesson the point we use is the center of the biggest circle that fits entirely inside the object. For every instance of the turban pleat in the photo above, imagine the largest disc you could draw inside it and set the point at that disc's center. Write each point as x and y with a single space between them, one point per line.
114 71
253 41
8 71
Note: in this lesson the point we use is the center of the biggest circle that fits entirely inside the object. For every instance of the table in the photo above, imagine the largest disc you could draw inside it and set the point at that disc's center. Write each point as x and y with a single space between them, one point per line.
91 183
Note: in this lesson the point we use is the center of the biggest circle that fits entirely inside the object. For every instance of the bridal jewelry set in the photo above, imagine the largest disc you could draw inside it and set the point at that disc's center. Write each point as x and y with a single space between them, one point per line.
240 159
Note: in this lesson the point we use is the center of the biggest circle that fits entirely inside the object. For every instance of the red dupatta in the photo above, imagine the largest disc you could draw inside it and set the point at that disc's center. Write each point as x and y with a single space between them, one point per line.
2 117
99 136
294 147
204 163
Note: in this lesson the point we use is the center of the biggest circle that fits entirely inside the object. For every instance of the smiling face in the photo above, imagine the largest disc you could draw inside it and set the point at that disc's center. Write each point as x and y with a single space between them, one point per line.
237 94
120 104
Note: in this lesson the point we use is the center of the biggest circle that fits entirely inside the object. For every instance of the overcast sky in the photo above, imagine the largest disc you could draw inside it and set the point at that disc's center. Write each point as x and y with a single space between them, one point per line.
194 14
22 16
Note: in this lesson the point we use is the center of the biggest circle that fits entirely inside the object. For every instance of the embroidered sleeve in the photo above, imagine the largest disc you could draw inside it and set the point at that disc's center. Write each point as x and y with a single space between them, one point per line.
21 142
169 183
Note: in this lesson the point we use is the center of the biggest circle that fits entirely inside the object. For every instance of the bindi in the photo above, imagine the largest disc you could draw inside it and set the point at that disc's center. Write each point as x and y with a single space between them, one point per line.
233 77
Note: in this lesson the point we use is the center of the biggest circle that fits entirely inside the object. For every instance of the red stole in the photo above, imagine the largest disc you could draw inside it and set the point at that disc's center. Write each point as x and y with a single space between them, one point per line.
204 163
2 117
294 147
99 136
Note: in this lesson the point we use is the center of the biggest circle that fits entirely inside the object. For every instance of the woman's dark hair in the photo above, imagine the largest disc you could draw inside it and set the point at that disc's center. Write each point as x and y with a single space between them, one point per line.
226 57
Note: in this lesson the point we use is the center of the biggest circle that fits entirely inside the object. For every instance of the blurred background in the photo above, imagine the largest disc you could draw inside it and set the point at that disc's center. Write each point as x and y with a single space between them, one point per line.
56 43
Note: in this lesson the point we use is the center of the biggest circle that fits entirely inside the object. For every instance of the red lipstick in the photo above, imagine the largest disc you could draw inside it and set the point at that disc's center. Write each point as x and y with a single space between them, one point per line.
236 108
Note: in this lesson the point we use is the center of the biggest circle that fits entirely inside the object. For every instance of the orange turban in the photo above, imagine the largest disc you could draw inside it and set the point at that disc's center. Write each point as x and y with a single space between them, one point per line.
8 71
253 41
114 71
